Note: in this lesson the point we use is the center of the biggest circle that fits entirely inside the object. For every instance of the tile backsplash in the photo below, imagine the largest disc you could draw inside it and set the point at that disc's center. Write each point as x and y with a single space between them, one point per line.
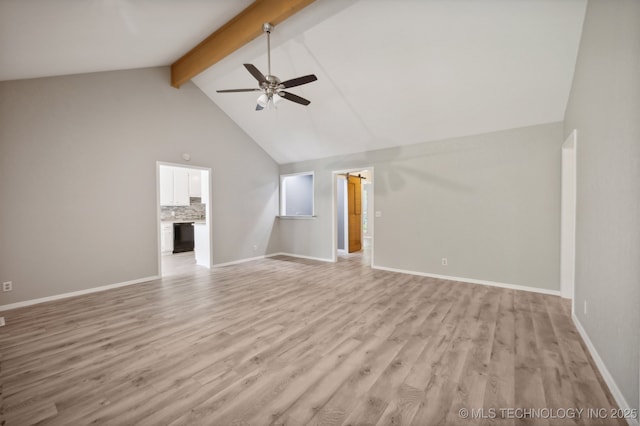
195 211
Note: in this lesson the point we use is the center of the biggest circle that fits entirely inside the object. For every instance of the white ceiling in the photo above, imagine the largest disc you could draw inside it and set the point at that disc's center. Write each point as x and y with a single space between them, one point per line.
390 72
41 38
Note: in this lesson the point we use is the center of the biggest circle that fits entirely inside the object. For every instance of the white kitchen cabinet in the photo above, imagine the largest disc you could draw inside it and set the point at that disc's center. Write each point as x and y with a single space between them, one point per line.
166 186
180 187
166 237
174 186
195 183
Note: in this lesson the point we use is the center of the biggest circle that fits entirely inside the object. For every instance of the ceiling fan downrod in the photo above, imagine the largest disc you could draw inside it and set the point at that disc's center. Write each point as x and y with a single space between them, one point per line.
267 27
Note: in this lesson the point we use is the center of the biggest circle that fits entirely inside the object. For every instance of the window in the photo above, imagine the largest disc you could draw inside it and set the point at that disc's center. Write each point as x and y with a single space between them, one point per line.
296 194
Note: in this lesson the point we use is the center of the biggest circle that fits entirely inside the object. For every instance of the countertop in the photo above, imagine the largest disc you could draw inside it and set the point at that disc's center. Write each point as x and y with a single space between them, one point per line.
199 221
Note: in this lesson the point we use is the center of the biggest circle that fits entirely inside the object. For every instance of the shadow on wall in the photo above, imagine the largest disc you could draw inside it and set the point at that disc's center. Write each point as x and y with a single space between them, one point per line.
392 166
273 241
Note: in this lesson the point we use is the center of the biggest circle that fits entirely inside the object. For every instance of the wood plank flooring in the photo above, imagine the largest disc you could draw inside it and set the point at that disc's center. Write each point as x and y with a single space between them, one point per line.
286 341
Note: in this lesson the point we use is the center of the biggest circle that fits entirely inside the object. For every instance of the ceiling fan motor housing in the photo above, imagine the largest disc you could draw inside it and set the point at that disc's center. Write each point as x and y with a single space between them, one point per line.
271 85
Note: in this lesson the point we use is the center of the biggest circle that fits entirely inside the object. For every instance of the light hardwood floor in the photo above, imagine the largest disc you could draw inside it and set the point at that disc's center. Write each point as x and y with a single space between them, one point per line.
179 264
291 341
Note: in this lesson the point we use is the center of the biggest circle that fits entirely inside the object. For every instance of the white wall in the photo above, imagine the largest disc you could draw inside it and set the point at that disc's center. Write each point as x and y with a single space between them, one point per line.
489 203
604 107
78 178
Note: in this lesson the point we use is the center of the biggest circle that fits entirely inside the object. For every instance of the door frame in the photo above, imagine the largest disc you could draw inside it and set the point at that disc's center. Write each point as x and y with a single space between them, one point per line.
340 179
158 208
334 213
568 210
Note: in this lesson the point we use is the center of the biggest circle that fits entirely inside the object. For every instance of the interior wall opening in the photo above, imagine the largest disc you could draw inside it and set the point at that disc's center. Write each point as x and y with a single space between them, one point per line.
184 218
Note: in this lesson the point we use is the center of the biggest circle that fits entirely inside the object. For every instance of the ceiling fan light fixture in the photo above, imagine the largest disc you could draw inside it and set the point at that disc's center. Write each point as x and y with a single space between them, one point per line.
277 99
263 100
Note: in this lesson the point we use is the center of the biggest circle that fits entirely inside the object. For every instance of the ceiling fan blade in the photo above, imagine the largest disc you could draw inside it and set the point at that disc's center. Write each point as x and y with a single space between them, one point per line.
256 73
298 81
237 90
294 98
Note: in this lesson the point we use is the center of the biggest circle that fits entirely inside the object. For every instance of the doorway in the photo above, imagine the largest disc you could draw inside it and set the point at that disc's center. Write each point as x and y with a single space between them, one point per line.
184 218
353 229
568 216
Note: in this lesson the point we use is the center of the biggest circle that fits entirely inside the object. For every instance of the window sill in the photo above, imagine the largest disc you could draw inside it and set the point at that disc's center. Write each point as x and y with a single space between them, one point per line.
297 217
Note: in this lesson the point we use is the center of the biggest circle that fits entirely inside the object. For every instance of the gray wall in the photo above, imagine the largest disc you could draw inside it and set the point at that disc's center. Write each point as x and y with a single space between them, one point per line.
78 178
489 203
299 195
605 108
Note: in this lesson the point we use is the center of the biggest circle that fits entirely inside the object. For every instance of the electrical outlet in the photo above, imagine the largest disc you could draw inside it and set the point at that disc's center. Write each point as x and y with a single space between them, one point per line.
444 261
7 286
585 307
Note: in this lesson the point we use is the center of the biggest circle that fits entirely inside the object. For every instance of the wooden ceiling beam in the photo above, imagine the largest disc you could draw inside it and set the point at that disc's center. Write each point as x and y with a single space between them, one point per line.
240 30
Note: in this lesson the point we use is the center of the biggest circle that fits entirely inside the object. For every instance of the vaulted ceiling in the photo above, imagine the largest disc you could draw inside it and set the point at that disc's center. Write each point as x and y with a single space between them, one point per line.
390 72
40 38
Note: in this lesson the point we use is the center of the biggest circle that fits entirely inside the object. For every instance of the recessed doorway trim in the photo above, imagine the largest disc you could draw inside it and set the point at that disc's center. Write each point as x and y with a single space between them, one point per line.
568 217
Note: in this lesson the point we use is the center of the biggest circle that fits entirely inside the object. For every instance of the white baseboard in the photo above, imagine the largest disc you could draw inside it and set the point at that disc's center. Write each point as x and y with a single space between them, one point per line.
76 293
248 259
613 387
320 259
472 281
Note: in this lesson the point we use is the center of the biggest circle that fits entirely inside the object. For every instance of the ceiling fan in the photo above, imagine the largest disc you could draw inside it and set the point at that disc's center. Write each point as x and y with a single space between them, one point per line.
271 87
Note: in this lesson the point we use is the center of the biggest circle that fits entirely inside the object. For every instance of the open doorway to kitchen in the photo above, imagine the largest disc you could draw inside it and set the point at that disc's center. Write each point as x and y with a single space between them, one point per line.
353 203
184 218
